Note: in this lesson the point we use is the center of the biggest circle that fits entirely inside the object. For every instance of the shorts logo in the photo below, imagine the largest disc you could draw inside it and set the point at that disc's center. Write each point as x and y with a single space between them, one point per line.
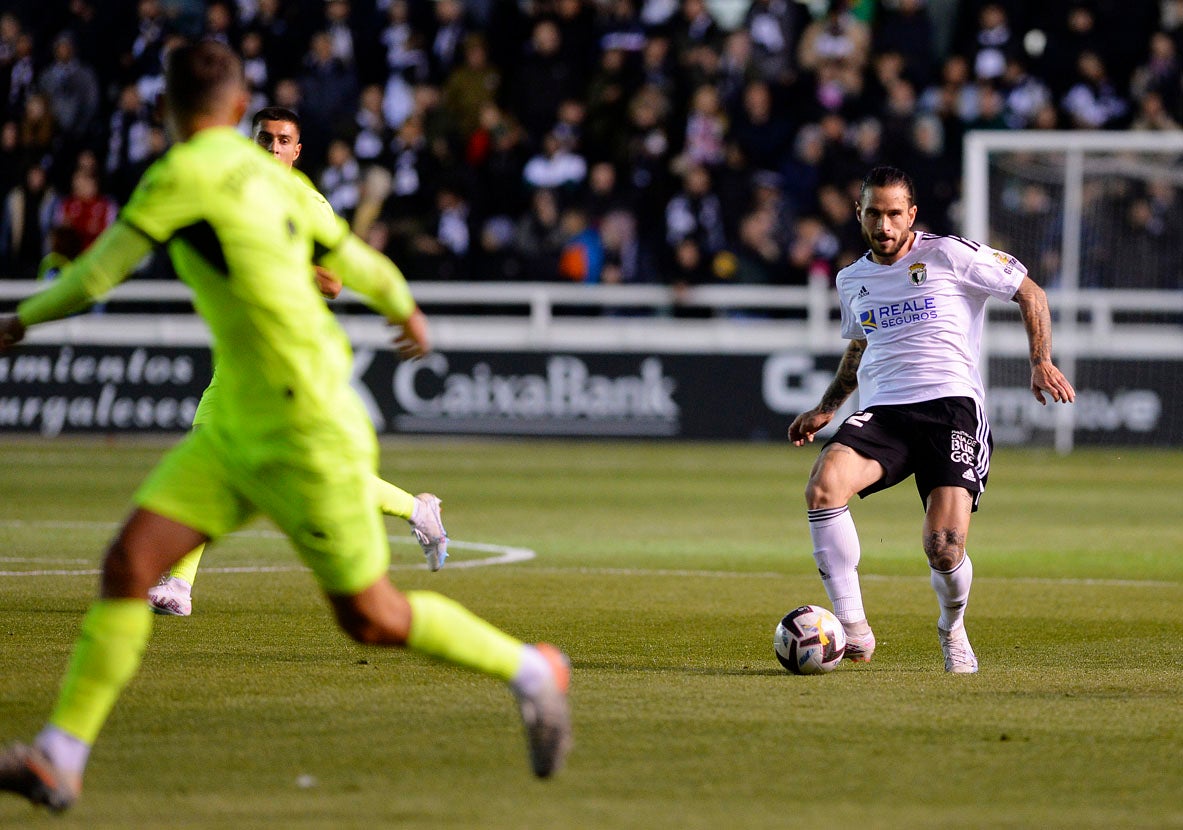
963 448
866 319
918 273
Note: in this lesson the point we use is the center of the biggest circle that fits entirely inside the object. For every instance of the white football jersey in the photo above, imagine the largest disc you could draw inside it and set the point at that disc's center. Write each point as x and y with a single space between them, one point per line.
922 318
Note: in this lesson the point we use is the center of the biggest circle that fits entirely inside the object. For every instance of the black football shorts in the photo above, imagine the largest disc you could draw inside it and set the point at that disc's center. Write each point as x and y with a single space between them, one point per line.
944 442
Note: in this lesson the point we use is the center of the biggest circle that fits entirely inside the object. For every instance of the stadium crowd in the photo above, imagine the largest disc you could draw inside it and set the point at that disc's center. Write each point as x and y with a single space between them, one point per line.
595 140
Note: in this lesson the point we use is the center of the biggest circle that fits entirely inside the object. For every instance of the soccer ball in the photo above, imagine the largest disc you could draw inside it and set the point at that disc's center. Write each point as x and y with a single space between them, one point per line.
809 640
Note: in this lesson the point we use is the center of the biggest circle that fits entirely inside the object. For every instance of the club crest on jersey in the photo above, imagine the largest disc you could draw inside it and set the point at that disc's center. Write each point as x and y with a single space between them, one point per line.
866 319
918 273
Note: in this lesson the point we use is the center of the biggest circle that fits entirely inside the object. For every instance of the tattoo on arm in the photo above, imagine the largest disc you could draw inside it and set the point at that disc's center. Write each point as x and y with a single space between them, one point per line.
845 379
1037 320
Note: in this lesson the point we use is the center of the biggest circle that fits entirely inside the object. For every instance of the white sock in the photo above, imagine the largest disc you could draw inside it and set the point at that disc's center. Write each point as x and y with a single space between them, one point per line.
952 589
68 753
533 674
836 550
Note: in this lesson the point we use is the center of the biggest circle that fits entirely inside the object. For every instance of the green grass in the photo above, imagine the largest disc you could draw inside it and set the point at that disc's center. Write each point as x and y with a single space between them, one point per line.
662 569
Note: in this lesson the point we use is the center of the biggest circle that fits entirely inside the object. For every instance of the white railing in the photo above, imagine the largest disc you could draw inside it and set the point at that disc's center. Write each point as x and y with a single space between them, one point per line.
743 319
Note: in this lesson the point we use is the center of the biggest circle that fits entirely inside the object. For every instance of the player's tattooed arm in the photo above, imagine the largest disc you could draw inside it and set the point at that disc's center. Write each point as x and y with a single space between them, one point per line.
845 379
1037 320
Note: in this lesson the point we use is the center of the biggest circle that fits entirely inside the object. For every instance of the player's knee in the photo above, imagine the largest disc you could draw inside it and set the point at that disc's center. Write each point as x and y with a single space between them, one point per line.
944 549
824 490
371 633
372 627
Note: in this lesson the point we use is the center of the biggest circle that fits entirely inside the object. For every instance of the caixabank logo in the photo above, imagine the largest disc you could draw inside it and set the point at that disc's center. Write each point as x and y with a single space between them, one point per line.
516 394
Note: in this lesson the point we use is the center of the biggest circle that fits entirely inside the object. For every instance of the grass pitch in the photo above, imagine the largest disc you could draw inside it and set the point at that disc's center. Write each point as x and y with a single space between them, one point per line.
662 569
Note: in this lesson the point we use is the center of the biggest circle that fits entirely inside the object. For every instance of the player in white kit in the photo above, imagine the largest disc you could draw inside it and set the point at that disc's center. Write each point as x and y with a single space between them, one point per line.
913 309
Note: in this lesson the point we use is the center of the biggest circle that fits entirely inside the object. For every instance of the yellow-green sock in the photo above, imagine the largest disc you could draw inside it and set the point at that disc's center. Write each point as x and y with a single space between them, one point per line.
391 500
186 568
446 630
106 656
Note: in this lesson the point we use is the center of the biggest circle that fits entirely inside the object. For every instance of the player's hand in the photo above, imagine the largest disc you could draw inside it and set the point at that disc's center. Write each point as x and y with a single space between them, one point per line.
415 338
808 424
328 285
12 331
1045 377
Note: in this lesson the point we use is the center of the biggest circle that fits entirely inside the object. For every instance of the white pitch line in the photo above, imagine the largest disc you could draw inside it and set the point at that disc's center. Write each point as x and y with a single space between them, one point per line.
509 555
506 554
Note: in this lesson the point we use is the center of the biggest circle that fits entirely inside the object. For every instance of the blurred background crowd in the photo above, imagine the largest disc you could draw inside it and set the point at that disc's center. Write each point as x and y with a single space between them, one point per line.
598 141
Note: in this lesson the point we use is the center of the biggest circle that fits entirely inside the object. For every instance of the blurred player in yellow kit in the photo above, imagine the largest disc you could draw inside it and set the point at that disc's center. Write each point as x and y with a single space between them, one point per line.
277 130
286 435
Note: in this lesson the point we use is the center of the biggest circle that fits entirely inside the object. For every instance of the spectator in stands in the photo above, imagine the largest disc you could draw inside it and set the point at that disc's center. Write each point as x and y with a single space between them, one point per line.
1025 94
607 100
448 33
38 132
1160 74
18 77
72 90
812 252
470 87
695 214
581 258
497 154
1093 101
414 174
905 28
1075 34
760 259
1153 114
937 189
773 28
762 133
546 77
86 209
272 21
340 180
445 249
557 166
836 210
576 20
372 135
706 129
24 226
837 39
538 238
994 42
328 90
221 23
128 143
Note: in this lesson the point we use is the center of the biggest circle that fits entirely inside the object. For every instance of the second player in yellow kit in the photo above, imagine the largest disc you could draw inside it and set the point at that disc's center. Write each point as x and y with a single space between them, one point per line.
277 130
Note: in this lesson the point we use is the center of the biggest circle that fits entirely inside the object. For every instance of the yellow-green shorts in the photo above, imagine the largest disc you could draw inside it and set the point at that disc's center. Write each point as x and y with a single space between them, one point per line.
322 501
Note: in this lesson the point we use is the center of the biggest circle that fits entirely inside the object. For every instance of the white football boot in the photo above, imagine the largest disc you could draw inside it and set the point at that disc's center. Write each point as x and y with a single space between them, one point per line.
860 641
172 597
959 655
546 715
428 527
26 770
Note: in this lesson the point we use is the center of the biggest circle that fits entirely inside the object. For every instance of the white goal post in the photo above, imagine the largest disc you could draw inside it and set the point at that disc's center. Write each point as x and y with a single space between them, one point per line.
1094 217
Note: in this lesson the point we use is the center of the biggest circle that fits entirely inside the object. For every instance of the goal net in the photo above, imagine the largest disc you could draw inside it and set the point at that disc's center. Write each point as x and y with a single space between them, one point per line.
1094 217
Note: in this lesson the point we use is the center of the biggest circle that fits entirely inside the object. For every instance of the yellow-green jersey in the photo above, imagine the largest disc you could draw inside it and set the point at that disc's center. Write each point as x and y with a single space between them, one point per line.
209 397
241 232
286 435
